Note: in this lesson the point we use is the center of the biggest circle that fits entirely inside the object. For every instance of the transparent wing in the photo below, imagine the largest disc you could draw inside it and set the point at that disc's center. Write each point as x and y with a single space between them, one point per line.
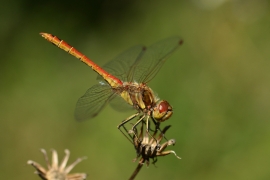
147 66
141 64
119 104
93 101
121 65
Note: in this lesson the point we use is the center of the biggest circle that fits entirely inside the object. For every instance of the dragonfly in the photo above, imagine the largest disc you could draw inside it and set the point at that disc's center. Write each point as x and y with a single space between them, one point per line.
125 78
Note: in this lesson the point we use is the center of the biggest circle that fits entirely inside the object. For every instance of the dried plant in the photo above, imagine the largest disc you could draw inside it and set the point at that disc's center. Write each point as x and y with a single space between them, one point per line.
56 172
149 147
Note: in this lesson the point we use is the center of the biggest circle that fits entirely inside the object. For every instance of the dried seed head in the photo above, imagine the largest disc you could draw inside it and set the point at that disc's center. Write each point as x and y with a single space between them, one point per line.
149 147
56 172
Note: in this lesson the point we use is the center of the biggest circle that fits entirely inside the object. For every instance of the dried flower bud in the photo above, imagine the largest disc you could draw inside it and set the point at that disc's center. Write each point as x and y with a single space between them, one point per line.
56 172
149 147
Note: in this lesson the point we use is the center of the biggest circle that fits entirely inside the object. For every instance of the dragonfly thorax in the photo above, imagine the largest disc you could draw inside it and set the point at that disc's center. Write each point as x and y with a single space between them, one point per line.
142 98
139 95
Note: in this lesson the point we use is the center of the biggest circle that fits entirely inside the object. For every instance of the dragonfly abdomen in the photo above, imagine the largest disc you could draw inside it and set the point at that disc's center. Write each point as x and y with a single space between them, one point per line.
113 81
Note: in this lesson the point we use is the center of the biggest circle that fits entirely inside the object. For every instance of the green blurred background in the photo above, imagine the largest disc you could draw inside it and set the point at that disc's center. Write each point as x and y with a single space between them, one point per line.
218 84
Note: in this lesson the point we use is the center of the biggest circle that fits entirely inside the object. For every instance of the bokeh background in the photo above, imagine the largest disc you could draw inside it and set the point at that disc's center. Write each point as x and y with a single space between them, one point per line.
218 83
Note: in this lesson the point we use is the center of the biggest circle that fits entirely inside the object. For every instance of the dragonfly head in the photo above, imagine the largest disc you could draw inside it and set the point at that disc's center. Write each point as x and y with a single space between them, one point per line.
162 111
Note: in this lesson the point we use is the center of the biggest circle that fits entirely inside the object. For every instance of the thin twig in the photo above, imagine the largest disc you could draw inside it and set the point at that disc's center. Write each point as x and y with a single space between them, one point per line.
137 170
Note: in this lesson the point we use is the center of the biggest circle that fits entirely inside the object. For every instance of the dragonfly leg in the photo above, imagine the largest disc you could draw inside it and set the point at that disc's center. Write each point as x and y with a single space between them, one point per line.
122 124
148 127
157 127
135 125
147 124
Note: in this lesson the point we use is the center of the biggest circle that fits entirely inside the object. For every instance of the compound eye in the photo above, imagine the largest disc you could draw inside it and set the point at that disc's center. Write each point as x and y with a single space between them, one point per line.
163 111
163 106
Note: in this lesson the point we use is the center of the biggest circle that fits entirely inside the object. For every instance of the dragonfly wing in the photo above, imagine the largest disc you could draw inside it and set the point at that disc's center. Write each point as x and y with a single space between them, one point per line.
119 104
120 66
147 66
92 102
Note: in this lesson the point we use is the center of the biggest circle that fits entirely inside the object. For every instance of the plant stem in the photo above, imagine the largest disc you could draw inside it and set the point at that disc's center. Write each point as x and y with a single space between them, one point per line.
140 164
